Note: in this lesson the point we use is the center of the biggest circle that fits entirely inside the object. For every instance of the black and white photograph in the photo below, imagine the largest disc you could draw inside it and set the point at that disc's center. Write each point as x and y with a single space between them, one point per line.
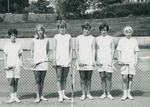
75 53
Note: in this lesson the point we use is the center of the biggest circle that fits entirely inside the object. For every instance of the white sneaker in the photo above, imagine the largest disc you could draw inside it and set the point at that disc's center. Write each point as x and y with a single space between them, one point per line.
90 97
43 98
66 98
37 100
11 100
110 97
130 97
82 97
102 96
17 100
124 97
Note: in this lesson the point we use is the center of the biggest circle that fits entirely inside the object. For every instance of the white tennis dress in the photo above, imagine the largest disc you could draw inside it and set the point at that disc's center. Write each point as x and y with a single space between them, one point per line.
62 49
85 44
40 54
104 52
128 47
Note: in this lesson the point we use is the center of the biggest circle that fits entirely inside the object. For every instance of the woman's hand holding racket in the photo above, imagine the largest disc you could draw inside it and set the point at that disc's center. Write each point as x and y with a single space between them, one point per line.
9 68
53 57
102 64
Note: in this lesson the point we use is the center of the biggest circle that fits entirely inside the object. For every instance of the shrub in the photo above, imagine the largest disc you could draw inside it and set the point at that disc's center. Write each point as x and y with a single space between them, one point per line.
122 13
99 14
121 10
31 8
72 16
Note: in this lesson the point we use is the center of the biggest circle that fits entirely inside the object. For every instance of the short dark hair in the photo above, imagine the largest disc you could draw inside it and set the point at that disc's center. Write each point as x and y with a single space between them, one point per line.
12 31
104 25
86 25
61 23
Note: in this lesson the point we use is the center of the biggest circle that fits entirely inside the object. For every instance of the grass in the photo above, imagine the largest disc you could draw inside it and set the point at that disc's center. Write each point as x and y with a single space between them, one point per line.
140 25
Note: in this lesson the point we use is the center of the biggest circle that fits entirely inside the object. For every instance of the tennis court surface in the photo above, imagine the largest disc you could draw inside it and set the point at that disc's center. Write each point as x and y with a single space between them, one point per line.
26 89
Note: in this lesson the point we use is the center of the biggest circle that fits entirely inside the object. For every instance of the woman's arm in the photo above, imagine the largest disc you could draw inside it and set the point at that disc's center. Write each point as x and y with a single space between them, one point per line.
96 51
32 50
47 48
119 55
77 51
5 61
112 50
21 59
70 49
93 51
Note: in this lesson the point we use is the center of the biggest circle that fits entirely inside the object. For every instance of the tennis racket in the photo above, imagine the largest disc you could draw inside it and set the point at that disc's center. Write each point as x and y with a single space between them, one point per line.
143 64
9 67
73 67
119 66
52 58
27 64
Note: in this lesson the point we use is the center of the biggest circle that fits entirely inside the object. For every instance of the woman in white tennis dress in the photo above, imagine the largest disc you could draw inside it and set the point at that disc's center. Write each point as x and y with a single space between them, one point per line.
39 52
63 49
105 54
128 53
85 56
12 63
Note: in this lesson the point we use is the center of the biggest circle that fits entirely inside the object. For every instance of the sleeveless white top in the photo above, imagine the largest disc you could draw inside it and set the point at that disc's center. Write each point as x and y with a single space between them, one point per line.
104 51
85 51
62 49
40 54
104 47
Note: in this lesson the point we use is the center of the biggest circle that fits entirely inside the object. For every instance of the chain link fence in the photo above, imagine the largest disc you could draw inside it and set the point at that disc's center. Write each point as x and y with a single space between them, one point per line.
26 88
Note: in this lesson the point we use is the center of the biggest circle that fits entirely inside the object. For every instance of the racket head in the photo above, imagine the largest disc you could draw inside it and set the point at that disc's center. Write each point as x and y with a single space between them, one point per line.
27 64
119 66
143 64
73 65
53 57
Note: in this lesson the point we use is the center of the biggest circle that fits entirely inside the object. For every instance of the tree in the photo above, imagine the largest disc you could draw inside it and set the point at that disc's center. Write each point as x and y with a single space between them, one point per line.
15 6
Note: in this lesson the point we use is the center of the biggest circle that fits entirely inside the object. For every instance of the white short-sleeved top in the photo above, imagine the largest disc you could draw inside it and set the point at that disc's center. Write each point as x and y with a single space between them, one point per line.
85 44
128 47
62 49
40 53
13 50
104 47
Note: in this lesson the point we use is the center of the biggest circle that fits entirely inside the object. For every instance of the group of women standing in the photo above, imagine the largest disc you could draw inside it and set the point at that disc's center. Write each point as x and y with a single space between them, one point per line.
89 50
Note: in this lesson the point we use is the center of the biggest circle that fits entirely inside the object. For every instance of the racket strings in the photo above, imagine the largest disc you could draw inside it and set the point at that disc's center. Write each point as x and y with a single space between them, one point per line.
119 66
143 65
27 64
73 65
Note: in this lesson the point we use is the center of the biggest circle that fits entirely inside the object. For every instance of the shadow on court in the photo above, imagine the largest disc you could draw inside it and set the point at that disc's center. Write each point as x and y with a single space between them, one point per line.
96 93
